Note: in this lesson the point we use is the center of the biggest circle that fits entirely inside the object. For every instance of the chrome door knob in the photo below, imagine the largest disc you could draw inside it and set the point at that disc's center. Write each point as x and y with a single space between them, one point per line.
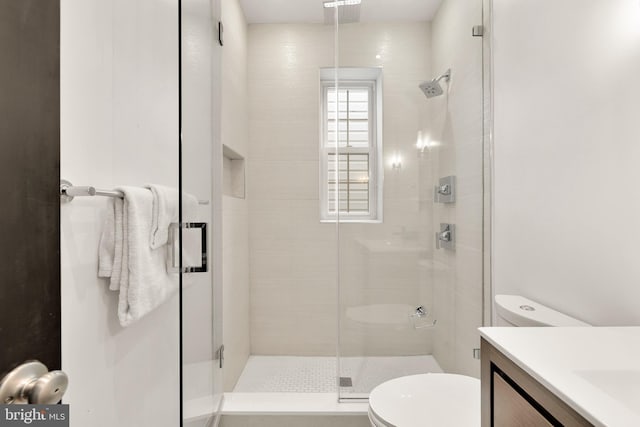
32 383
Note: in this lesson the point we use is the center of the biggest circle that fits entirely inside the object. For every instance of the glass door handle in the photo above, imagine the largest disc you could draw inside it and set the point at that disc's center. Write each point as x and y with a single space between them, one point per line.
33 383
174 258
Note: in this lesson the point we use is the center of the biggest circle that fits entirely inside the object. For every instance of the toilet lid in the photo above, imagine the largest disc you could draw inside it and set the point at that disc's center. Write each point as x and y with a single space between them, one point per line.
427 400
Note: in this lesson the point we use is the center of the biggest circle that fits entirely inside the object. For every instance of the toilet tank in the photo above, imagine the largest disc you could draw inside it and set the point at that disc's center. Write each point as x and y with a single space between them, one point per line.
516 310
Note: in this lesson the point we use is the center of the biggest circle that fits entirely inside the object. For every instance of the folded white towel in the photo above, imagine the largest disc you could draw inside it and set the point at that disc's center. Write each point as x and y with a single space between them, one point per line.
165 212
144 282
126 253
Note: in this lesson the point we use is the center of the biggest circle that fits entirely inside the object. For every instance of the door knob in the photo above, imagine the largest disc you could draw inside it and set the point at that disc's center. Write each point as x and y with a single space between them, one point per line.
32 383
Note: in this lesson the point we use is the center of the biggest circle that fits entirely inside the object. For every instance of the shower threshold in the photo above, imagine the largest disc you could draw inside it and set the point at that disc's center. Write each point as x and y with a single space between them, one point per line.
238 403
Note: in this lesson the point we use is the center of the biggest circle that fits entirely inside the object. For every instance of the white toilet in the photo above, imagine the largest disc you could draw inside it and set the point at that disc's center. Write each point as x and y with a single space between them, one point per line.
448 399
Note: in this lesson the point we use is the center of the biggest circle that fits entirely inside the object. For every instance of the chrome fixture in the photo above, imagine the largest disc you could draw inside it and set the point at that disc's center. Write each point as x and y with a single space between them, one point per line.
433 88
32 383
173 261
421 313
445 191
68 191
219 356
333 4
346 11
446 237
477 31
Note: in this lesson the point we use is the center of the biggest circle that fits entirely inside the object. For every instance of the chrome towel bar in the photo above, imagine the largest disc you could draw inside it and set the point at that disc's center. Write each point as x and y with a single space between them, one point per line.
68 191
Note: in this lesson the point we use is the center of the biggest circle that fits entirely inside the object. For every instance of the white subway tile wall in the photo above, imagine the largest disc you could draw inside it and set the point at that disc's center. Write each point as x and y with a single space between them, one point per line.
235 211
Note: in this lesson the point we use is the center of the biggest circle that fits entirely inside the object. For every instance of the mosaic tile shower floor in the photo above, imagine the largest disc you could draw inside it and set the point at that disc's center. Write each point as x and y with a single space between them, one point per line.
291 374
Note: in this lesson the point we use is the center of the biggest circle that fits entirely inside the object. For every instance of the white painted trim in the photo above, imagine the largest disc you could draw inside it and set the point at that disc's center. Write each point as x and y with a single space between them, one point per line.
357 78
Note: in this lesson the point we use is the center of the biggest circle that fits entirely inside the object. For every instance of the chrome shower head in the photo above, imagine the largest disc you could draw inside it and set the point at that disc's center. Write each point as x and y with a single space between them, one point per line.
433 88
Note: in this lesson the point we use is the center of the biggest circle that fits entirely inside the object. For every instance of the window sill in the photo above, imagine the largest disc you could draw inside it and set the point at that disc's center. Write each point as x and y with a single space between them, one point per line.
351 221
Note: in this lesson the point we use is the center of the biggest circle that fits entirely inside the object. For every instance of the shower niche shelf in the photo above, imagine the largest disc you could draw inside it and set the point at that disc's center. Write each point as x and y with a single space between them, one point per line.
233 173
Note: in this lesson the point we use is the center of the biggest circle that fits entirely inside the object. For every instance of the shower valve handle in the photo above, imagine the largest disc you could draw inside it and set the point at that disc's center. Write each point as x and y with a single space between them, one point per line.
445 189
446 237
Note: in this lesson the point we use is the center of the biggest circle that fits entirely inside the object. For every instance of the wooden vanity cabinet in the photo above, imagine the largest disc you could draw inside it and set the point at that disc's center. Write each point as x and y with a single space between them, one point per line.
512 398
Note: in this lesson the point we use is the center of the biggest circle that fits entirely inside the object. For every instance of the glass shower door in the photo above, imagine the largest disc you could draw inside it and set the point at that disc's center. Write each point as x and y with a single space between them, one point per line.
409 300
200 187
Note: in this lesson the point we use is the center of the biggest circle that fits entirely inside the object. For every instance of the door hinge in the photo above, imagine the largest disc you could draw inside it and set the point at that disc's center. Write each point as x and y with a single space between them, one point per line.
220 356
476 353
477 31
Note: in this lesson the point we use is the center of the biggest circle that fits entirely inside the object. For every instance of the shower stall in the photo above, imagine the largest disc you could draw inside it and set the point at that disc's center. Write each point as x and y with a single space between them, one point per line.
349 212
345 212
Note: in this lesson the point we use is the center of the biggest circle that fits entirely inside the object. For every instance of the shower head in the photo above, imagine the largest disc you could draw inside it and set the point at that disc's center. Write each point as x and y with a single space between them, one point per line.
433 88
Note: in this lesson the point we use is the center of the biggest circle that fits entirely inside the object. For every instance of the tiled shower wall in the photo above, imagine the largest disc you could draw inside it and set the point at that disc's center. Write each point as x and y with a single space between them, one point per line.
457 149
235 214
293 260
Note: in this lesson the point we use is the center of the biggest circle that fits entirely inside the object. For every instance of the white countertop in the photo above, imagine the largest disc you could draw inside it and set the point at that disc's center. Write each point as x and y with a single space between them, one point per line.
596 371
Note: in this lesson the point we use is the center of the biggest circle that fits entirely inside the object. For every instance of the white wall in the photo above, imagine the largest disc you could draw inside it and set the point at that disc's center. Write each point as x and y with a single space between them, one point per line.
566 205
235 234
292 258
456 136
119 126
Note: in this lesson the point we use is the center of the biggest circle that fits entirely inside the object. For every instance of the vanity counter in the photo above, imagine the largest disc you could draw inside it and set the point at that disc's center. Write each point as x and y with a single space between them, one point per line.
594 370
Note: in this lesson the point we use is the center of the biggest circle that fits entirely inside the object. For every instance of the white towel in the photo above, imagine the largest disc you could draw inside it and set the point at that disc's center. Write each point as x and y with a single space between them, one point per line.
136 270
106 250
165 212
110 252
144 282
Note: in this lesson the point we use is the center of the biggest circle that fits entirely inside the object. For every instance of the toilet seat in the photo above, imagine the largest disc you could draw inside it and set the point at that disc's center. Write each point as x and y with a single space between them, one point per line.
437 400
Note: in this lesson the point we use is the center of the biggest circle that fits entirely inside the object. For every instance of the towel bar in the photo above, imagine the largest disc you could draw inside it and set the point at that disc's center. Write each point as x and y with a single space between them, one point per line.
68 191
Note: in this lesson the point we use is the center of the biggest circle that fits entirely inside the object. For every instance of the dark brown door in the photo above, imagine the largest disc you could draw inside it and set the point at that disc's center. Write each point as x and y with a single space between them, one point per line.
29 181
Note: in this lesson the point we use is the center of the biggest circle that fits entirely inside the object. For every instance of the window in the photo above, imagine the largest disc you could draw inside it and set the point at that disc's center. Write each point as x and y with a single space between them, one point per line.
350 173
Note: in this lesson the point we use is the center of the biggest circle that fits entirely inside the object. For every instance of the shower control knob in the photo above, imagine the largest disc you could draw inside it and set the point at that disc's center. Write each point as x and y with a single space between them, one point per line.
445 190
32 383
446 237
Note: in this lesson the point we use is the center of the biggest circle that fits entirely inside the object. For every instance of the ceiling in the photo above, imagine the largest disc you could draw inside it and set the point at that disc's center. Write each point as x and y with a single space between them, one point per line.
312 11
